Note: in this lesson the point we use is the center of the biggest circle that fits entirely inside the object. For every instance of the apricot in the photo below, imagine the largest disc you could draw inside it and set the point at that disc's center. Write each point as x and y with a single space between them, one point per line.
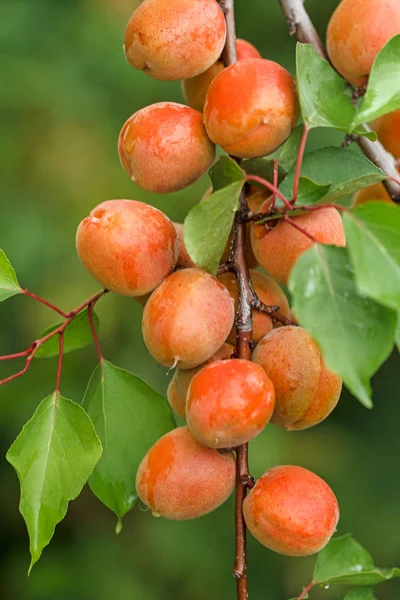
292 511
373 193
195 89
388 130
179 384
306 390
229 403
325 225
181 479
184 259
268 292
357 31
164 147
187 319
130 247
251 108
175 39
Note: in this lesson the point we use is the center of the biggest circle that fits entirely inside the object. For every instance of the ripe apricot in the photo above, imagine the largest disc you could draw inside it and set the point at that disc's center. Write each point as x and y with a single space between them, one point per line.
229 403
357 31
306 390
179 384
388 130
291 511
324 225
181 479
184 259
175 39
268 292
187 318
195 89
373 193
130 247
251 107
164 147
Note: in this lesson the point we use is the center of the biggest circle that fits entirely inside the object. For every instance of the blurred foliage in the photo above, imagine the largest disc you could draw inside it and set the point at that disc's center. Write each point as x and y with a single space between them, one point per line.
65 92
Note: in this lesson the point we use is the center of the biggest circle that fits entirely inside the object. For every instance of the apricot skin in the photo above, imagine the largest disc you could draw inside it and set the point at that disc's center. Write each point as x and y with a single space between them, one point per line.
175 39
195 89
306 390
291 511
179 384
153 142
325 225
388 130
187 319
251 108
180 479
357 31
229 403
268 292
130 247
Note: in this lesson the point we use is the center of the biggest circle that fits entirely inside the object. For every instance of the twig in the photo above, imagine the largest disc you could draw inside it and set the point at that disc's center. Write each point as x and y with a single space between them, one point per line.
45 302
93 329
273 311
306 590
271 188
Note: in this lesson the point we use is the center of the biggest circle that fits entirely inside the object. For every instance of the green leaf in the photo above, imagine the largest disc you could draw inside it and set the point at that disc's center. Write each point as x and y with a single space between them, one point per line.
398 332
373 240
383 92
77 335
361 594
53 456
129 417
290 149
208 225
224 172
9 285
343 170
311 192
345 561
324 99
263 167
356 334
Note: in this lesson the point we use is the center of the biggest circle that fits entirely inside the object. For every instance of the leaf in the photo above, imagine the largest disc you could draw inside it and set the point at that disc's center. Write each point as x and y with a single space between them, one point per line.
356 334
9 285
373 239
53 456
77 335
311 192
343 170
224 172
323 93
290 149
361 594
383 92
263 167
129 417
398 332
346 562
208 225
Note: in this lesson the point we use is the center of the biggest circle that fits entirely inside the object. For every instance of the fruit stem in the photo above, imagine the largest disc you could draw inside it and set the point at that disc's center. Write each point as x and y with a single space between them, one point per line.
306 590
299 162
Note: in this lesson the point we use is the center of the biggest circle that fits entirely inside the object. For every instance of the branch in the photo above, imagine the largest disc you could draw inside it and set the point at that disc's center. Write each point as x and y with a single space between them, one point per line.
300 24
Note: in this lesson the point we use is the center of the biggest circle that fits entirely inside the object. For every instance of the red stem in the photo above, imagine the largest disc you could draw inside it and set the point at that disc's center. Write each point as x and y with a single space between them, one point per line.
301 229
39 299
299 162
94 332
306 590
276 175
17 354
270 187
60 360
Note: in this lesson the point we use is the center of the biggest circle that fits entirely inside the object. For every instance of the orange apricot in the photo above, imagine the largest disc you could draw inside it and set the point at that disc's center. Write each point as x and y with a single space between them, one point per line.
175 39
324 225
251 107
388 130
187 318
268 292
180 479
153 142
229 403
179 384
292 511
306 390
357 31
195 89
130 247
373 193
184 259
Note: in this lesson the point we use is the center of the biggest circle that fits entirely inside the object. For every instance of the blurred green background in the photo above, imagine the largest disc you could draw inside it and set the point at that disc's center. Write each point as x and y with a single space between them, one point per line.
65 92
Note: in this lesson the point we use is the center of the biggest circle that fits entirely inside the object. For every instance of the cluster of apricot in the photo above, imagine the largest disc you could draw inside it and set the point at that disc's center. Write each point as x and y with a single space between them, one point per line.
131 248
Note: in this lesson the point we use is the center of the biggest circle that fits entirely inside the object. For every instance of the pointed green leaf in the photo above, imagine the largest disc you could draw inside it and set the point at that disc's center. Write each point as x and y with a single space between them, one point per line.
343 170
311 192
356 334
324 99
129 417
53 456
290 149
373 239
9 285
383 92
224 172
361 594
345 561
208 225
77 335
